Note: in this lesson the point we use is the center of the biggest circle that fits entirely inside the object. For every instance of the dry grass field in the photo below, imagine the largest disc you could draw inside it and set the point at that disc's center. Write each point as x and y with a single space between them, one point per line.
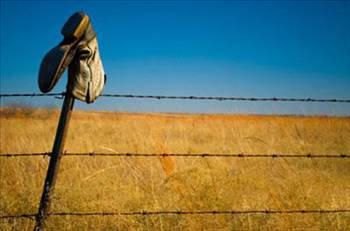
95 184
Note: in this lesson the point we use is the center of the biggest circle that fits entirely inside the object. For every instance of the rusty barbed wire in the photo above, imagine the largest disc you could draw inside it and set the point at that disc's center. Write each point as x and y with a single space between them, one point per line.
203 155
181 212
219 98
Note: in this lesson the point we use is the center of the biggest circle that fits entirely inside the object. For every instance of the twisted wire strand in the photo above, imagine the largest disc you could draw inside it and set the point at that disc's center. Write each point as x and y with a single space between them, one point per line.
219 98
204 155
181 212
32 94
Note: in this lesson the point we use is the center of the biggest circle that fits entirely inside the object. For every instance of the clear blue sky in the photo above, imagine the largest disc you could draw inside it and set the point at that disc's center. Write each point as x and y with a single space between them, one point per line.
215 48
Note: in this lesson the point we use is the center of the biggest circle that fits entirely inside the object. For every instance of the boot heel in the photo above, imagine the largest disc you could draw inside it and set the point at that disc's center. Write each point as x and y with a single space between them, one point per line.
75 27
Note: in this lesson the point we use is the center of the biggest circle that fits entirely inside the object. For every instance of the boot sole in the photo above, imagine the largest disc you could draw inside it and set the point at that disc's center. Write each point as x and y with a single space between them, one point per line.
55 61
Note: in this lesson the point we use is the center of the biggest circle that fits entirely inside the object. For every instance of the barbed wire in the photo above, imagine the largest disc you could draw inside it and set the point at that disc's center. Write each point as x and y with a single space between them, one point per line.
219 98
181 212
203 155
32 94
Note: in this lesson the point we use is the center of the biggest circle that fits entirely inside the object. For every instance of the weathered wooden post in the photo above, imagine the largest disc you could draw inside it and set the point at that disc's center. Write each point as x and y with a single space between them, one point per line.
55 158
86 79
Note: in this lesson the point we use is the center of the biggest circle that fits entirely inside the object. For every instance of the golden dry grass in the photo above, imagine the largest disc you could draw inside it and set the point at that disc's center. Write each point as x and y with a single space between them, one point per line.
89 184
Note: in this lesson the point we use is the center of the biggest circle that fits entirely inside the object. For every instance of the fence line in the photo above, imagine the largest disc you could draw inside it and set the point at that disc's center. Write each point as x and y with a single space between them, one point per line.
203 155
219 98
180 212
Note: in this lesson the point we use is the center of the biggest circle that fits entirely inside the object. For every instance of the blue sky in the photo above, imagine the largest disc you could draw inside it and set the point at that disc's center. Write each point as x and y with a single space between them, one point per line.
215 48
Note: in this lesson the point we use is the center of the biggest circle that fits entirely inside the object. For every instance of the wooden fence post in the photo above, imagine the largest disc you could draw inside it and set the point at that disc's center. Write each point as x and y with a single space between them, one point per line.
55 158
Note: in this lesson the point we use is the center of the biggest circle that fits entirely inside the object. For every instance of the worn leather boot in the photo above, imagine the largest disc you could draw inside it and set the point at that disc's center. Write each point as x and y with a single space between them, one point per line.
78 50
